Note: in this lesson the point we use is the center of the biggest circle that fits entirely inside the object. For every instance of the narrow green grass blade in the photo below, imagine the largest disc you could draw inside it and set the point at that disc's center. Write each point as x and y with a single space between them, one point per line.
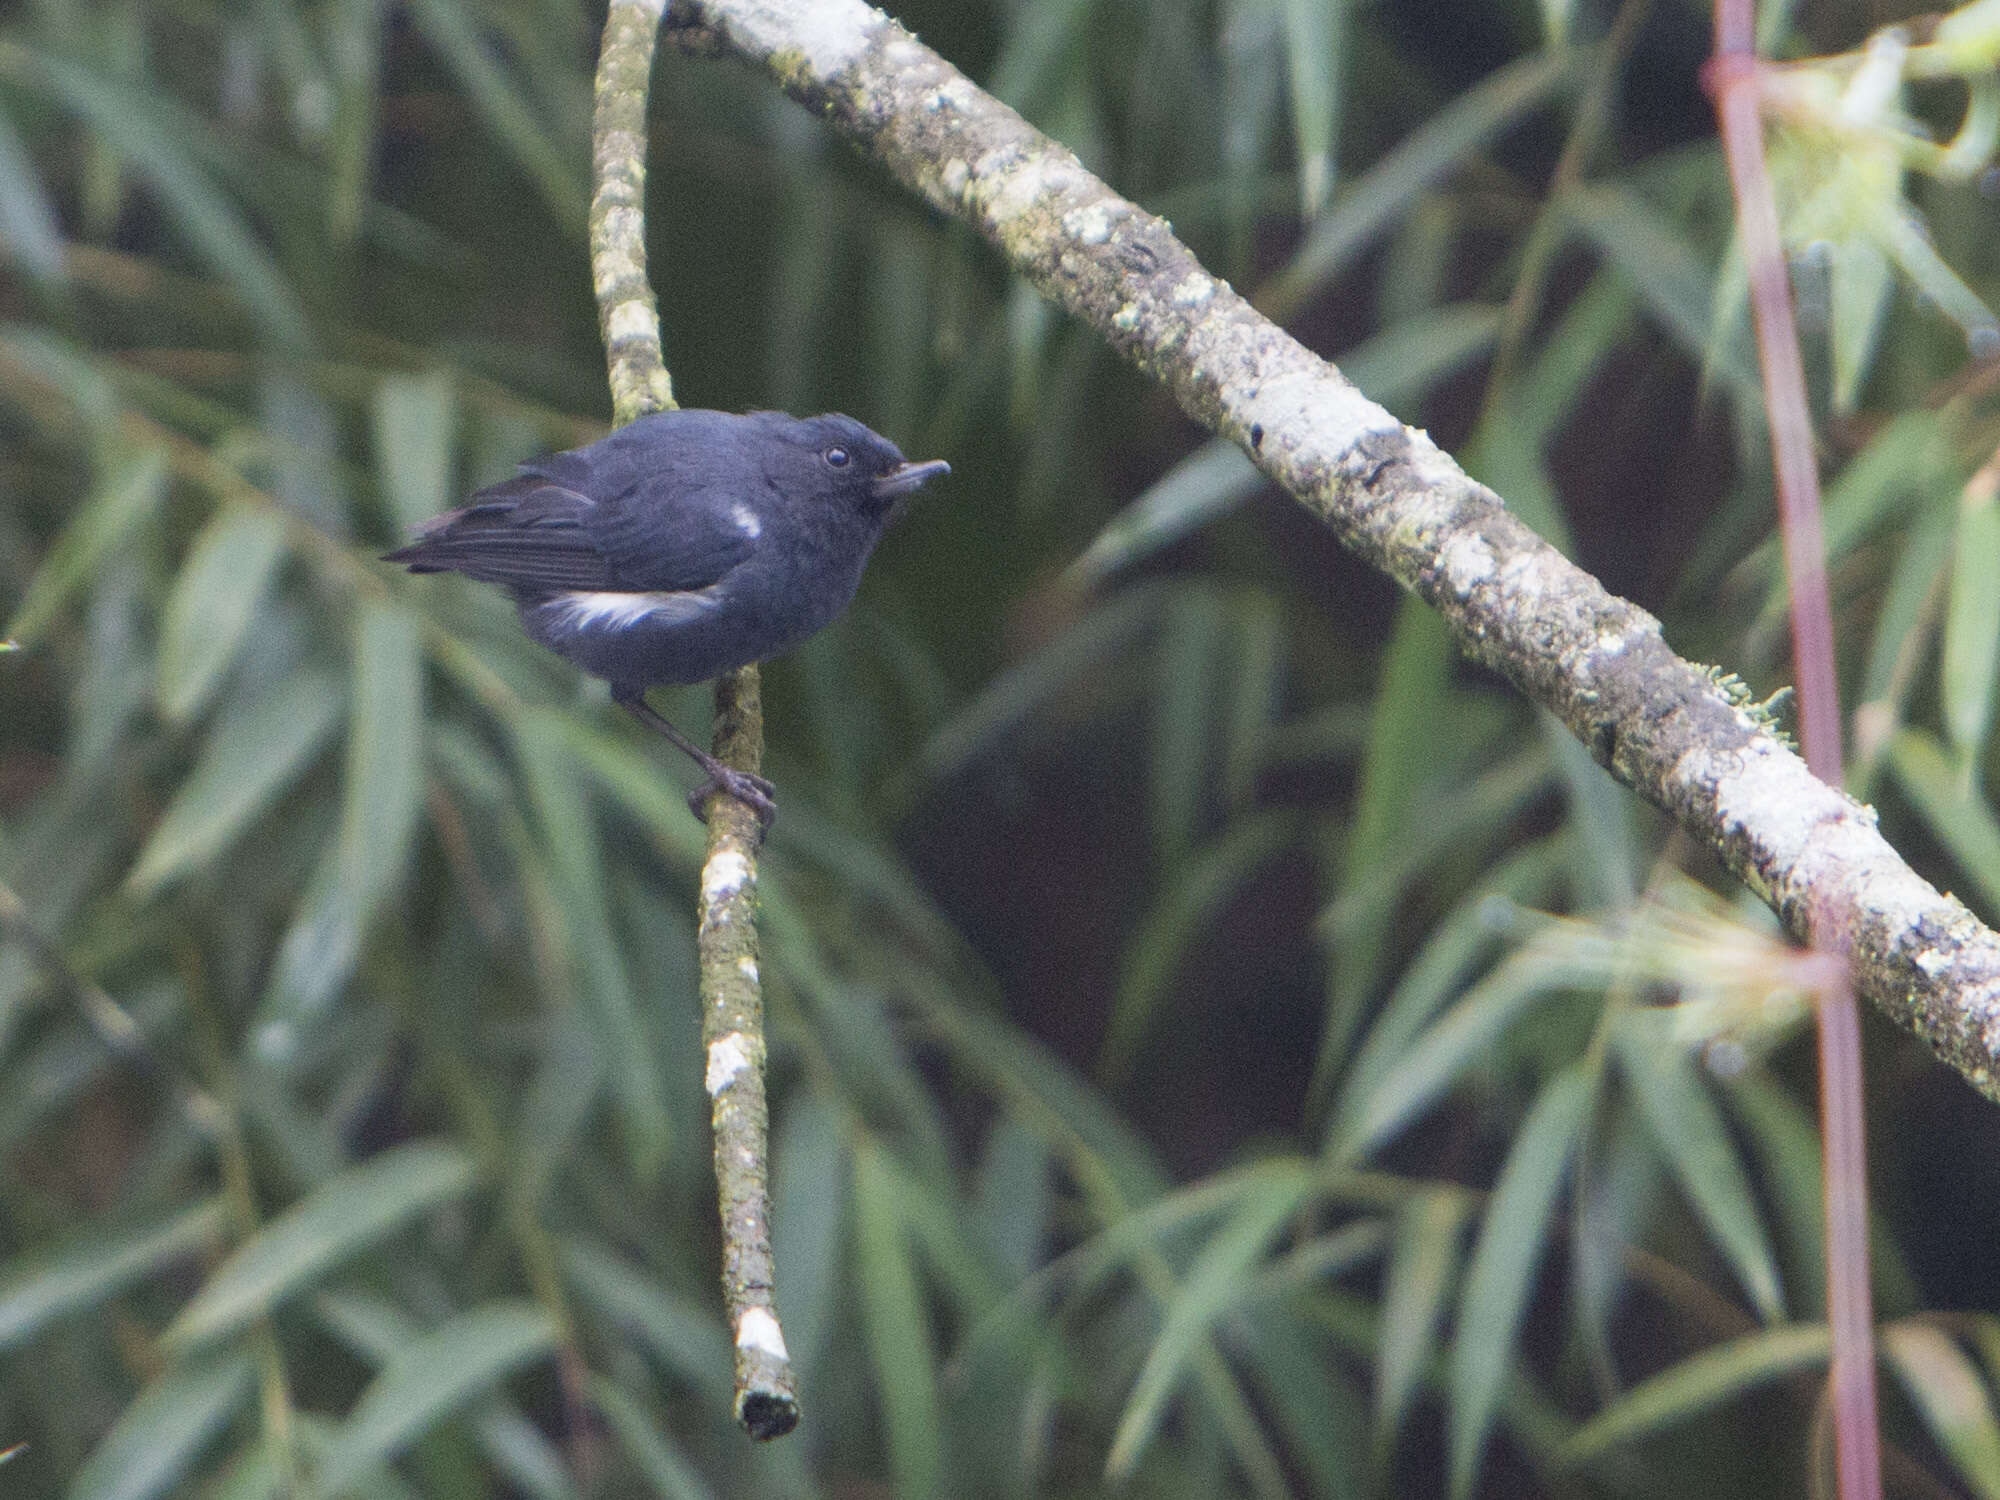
1688 1127
213 601
1971 627
42 1287
1390 188
897 1325
29 231
342 1217
1203 487
430 1379
155 1439
1958 818
1455 947
381 800
453 29
155 143
1945 1387
125 492
1187 678
683 1336
1315 52
652 1451
1422 1269
1860 292
570 834
808 1214
1316 1406
416 437
1698 1384
1518 1220
1410 699
1662 268
1464 1035
1402 364
1014 1206
1179 920
1219 1276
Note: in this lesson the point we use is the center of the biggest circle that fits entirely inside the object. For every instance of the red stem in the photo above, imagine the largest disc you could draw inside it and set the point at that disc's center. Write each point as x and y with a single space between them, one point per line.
1734 77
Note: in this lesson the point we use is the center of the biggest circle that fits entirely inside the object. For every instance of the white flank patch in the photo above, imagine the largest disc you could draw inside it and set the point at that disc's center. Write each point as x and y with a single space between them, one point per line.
746 521
758 1330
728 1057
581 607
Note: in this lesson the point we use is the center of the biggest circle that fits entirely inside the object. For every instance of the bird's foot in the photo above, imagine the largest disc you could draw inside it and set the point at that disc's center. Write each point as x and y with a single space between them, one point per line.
752 790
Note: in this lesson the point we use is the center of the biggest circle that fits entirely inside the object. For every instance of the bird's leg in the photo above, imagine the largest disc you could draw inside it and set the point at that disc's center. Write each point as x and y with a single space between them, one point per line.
753 791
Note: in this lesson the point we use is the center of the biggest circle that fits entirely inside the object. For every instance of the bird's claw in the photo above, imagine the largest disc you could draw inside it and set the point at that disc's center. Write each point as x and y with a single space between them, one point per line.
752 790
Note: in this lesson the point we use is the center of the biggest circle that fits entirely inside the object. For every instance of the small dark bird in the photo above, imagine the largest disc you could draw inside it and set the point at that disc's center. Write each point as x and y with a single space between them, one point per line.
684 545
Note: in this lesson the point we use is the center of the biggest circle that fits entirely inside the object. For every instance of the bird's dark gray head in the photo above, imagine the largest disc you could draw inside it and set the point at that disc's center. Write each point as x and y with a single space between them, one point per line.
855 462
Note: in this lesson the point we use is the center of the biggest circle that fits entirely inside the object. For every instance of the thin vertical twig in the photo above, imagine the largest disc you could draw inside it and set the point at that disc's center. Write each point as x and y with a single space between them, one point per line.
732 1001
1735 79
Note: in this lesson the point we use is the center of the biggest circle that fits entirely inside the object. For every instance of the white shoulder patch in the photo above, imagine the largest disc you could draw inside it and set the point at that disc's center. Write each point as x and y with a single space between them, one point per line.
746 520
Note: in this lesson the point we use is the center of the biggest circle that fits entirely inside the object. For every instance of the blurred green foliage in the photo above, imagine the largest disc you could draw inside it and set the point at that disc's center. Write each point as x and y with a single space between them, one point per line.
1219 1041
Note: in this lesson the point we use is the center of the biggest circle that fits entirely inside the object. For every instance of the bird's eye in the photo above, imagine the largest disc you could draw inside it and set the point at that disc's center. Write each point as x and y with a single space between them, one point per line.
836 457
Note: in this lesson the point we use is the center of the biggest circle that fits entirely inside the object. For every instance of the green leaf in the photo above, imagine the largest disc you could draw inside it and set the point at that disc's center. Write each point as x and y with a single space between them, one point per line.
569 833
1422 1268
124 492
212 603
1457 945
1466 1033
1390 188
38 1288
1315 49
1218 1278
381 799
158 1436
1946 1389
683 1336
1859 294
157 143
1957 816
1203 487
651 1450
259 746
1188 676
1180 920
450 28
1502 1272
28 227
342 1217
808 1215
1402 364
1711 1378
1971 626
1662 268
430 1379
1688 1127
1012 1212
416 432
1412 696
897 1325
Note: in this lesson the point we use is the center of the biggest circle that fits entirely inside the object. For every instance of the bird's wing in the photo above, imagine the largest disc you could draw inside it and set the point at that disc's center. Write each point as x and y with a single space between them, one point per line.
670 535
528 535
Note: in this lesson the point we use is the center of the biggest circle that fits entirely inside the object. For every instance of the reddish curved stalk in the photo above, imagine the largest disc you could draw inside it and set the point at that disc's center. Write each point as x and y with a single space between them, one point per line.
1734 78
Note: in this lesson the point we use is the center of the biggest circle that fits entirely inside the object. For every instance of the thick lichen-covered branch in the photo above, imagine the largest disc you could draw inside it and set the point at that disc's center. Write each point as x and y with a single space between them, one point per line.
732 1005
1661 724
